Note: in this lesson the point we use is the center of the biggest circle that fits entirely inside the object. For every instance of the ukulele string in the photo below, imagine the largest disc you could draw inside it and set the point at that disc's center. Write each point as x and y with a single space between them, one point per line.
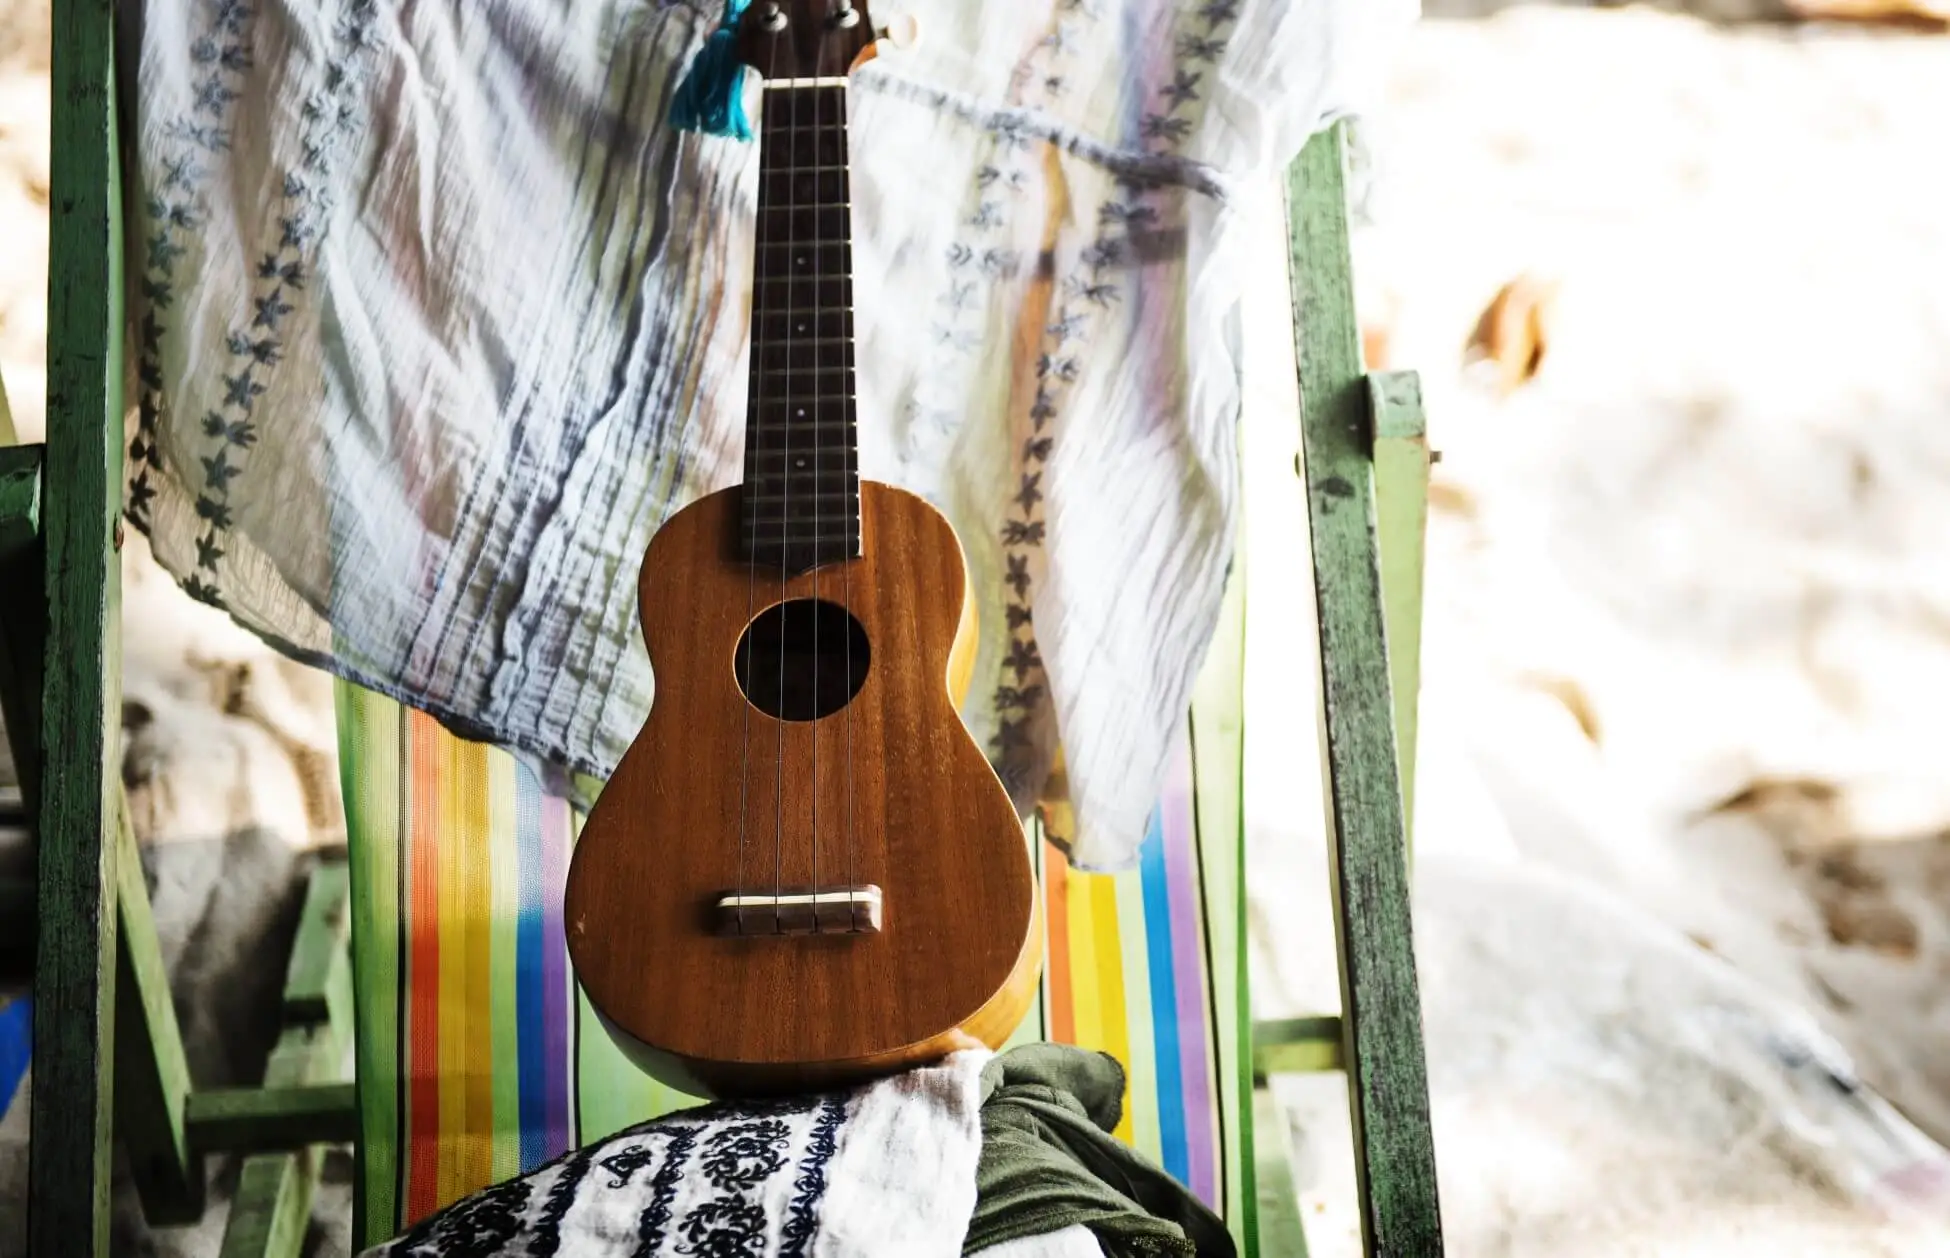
817 480
785 506
849 446
755 455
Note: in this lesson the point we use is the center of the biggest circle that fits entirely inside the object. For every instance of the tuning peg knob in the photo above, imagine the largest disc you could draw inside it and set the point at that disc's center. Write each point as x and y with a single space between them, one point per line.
903 32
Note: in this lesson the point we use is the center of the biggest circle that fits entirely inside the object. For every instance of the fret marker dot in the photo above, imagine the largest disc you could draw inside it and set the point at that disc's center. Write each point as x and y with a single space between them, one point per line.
802 412
799 462
802 327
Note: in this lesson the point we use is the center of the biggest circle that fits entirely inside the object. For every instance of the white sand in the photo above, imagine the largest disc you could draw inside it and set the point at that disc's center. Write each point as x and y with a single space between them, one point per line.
1710 523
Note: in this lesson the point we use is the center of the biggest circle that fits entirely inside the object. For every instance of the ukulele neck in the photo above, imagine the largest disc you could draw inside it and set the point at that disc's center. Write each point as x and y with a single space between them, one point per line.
802 478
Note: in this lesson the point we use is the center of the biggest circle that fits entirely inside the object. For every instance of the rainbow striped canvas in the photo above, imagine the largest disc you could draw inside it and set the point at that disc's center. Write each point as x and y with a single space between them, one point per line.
478 1060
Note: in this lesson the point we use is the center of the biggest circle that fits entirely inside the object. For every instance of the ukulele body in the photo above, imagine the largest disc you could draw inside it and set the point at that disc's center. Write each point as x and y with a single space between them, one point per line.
720 802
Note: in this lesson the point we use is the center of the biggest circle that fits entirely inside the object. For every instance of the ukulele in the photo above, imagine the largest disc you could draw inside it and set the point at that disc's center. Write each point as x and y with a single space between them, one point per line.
804 871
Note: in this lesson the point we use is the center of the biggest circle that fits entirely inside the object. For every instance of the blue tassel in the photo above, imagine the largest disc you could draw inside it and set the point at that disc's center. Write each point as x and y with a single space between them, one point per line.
711 98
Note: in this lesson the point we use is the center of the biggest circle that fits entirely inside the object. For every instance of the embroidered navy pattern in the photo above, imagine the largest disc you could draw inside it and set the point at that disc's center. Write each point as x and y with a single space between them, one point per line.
748 1154
547 1240
977 263
654 1223
724 1180
172 204
626 1162
810 1186
1021 695
475 1227
726 1227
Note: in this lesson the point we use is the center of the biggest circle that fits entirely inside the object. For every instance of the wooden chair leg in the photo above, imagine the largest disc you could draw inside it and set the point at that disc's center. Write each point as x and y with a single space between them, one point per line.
150 1080
162 1124
74 968
1380 1002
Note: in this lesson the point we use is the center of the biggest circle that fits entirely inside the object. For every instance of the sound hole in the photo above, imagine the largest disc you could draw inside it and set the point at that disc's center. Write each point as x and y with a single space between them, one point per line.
803 659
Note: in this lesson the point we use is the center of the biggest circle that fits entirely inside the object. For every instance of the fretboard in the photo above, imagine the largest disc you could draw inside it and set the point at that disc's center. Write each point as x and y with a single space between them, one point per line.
802 478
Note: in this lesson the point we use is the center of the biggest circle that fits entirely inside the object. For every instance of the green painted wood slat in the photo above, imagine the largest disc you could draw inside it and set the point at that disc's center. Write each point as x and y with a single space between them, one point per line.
1381 1008
152 1079
240 1120
1281 1232
1401 487
272 1208
1218 746
74 972
1298 1046
318 983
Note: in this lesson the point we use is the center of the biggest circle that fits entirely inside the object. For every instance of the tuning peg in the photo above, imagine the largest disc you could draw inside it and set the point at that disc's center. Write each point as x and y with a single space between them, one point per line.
903 32
775 18
845 16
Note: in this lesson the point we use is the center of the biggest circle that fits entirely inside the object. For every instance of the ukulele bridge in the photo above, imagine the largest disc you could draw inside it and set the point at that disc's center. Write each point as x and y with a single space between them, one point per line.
800 911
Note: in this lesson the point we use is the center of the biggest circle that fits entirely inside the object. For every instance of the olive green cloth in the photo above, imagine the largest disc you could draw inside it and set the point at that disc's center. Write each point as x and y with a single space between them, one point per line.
1049 1162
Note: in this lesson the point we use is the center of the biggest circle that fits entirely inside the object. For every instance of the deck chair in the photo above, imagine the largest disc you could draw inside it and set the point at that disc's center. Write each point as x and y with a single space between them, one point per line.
436 946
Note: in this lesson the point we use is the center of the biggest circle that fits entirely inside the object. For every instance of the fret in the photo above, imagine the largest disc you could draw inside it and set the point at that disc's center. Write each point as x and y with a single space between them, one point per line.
778 406
811 342
794 255
789 535
802 222
797 461
832 497
800 535
796 293
784 188
833 494
767 522
804 515
777 358
802 438
802 318
770 466
811 376
800 399
804 501
801 148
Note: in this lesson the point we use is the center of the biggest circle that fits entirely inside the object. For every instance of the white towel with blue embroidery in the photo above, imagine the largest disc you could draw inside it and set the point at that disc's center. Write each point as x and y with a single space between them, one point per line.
436 320
887 1169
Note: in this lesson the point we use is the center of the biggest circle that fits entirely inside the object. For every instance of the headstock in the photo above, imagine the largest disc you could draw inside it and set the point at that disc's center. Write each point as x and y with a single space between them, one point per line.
804 39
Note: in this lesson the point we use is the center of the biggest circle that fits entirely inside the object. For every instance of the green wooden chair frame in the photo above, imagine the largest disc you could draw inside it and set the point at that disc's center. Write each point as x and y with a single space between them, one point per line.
107 1057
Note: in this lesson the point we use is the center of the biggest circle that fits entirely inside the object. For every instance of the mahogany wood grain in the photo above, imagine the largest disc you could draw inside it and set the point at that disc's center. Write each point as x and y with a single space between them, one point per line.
715 796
